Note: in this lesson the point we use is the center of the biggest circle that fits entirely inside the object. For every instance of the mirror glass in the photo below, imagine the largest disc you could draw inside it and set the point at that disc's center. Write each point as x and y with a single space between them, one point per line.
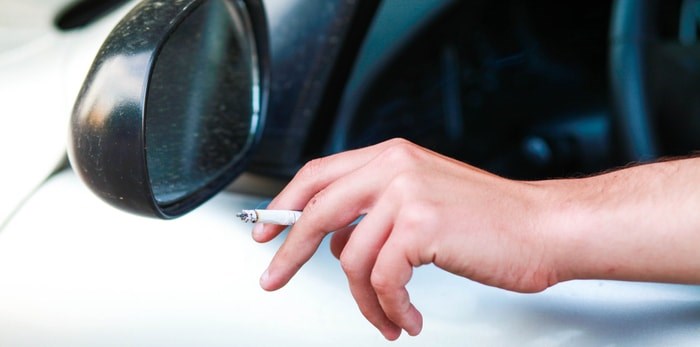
203 102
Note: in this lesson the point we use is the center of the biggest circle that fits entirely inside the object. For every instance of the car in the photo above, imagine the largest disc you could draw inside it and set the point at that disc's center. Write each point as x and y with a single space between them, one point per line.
528 90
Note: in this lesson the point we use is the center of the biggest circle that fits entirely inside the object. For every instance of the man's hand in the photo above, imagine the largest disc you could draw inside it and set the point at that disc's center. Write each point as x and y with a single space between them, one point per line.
420 207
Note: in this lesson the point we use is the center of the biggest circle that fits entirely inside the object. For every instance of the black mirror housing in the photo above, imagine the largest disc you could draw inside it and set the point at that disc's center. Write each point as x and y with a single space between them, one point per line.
111 129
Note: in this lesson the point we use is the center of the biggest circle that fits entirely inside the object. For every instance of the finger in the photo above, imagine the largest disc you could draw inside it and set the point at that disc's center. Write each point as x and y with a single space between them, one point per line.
331 209
391 273
358 258
263 233
339 239
319 173
314 177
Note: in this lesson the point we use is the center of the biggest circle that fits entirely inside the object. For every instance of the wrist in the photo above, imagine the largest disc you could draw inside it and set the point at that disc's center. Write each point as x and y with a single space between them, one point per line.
616 226
565 222
545 222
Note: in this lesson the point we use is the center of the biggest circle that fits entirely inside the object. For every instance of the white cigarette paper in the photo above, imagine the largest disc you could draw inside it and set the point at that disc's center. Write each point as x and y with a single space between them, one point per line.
278 217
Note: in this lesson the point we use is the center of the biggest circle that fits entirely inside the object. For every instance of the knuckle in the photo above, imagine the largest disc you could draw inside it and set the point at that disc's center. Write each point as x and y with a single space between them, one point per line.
316 201
419 216
350 267
312 169
398 141
381 283
401 153
405 184
419 226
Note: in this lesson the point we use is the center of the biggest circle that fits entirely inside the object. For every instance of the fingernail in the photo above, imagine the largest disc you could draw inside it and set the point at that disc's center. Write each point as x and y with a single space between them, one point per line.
264 279
258 230
392 333
415 324
414 329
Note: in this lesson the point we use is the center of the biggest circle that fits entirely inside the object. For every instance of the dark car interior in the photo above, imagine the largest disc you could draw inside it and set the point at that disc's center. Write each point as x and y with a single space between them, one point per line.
518 88
523 89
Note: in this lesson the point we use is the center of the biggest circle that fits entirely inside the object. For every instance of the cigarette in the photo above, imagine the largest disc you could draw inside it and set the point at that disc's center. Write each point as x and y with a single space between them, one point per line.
278 217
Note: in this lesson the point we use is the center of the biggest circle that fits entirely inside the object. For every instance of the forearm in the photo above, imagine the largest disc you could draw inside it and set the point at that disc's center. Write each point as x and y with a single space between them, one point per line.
640 223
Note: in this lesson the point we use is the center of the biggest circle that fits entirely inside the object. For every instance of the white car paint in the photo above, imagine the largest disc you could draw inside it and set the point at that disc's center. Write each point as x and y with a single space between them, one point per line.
41 72
76 272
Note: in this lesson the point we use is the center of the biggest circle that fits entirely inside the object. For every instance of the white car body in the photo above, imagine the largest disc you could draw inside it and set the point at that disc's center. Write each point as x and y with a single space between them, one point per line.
76 272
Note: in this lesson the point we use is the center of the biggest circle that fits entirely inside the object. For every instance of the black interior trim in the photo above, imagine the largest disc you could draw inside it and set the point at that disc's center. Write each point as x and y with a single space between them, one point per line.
337 82
84 12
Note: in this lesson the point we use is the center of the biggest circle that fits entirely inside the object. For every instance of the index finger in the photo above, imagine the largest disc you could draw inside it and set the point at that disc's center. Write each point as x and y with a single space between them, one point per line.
333 208
315 176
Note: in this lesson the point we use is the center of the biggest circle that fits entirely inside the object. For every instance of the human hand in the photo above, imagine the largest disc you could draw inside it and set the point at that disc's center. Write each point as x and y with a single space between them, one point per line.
420 207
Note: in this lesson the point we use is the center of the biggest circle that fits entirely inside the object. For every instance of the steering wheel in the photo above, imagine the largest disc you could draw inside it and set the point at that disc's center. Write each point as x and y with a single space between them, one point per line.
655 81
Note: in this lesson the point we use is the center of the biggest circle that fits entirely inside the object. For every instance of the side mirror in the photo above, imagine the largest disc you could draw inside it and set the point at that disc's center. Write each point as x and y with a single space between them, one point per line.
173 104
